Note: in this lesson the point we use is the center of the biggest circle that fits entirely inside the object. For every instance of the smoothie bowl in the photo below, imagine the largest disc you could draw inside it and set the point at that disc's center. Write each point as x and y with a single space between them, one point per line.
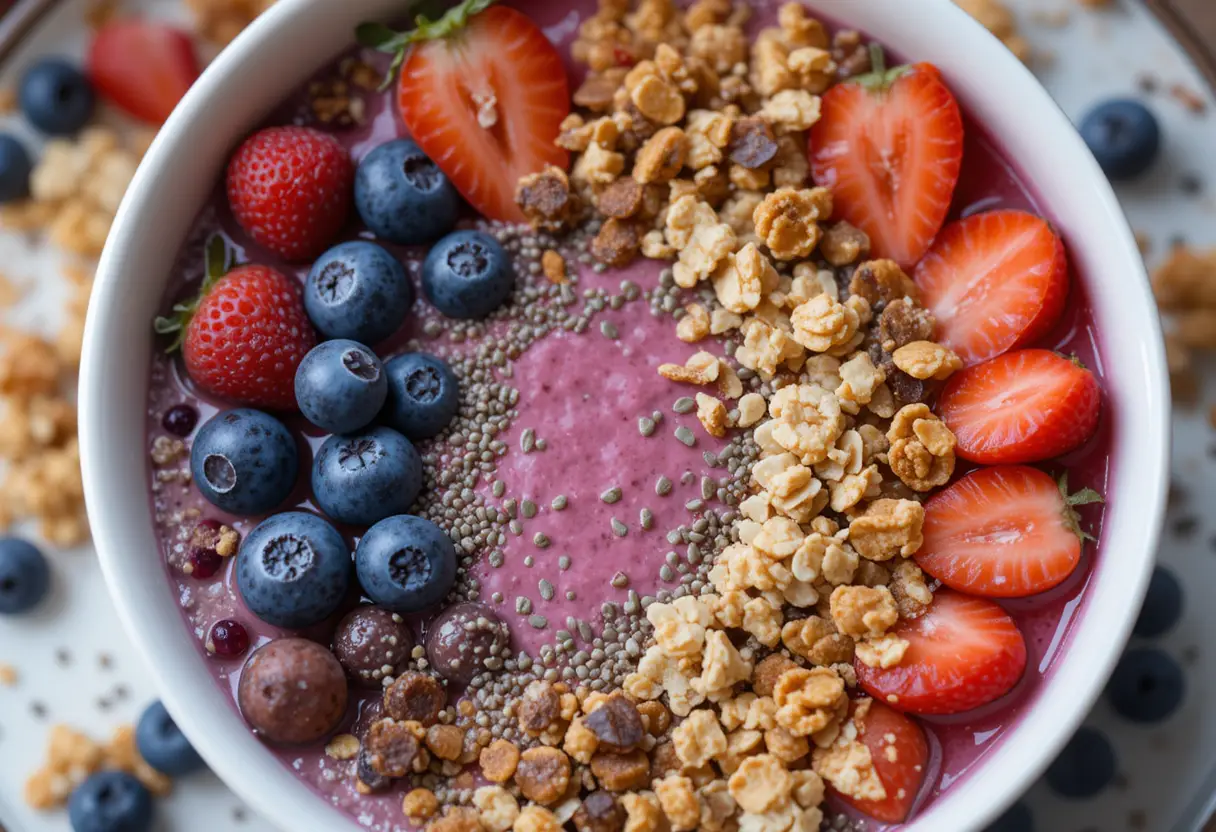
629 417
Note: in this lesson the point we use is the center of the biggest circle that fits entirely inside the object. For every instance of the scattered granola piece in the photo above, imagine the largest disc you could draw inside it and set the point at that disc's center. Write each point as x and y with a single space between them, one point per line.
711 412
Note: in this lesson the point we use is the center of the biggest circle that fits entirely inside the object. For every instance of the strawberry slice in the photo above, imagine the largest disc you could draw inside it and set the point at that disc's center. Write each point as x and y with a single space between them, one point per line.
994 281
963 652
889 145
483 93
1004 532
142 67
1023 406
900 753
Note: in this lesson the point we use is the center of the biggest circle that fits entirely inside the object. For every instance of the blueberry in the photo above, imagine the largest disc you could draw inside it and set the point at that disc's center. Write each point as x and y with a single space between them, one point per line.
341 386
15 169
423 395
361 479
1147 685
244 461
405 563
56 97
110 801
163 745
1017 818
1162 605
25 576
293 570
358 290
1085 766
467 275
1124 137
403 196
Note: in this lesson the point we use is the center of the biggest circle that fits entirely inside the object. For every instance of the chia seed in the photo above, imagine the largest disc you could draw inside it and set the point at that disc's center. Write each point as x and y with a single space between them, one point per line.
563 563
618 528
527 440
541 540
620 580
686 436
528 508
662 486
546 590
684 405
538 622
646 519
609 331
559 503
523 605
611 496
496 559
646 426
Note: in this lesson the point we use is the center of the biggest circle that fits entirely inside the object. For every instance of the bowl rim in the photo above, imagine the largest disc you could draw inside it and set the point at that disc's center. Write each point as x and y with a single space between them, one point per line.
122 525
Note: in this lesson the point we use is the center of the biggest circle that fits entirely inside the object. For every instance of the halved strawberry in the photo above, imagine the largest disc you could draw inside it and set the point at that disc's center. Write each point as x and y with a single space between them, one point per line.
994 281
900 753
483 92
889 145
143 67
963 652
1023 406
1004 532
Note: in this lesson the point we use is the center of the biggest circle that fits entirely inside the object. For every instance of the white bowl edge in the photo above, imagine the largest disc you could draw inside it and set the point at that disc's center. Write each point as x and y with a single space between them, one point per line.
295 38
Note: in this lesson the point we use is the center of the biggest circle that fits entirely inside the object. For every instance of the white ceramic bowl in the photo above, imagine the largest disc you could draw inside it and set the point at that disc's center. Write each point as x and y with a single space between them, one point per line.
295 38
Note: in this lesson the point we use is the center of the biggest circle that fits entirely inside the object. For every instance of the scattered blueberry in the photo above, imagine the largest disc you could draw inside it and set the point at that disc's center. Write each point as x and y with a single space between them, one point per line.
467 275
180 419
361 479
403 196
293 570
1124 137
341 386
1017 818
406 563
15 167
110 801
25 576
1085 766
423 395
1147 685
1162 605
358 290
163 745
56 97
227 638
244 461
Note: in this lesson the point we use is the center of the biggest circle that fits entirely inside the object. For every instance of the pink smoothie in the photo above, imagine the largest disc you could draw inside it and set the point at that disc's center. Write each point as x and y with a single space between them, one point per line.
582 396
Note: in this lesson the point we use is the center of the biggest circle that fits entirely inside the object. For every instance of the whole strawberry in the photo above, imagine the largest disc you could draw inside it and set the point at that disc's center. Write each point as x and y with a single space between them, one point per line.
245 335
291 188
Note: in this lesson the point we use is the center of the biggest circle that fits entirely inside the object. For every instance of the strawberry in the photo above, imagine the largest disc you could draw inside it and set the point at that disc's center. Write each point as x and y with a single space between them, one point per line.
962 653
246 333
1023 406
1004 532
142 67
900 752
483 93
291 189
889 145
994 281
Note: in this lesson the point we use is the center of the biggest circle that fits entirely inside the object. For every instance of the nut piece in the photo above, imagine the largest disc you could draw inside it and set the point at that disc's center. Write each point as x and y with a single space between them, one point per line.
546 200
922 448
656 717
620 200
621 772
499 760
617 725
617 243
926 360
658 100
882 280
903 322
419 804
788 221
538 708
599 812
554 266
768 671
817 641
445 741
391 747
752 144
843 244
415 696
543 774
662 157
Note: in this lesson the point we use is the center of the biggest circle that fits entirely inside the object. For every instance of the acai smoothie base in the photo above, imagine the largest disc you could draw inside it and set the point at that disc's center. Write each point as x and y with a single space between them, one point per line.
670 493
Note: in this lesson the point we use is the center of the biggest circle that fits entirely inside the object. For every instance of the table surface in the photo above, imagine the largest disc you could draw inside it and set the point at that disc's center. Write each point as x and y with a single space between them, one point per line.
75 666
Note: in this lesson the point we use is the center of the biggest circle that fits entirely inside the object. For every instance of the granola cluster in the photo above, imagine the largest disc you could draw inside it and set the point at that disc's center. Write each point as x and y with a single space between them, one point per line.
1185 288
72 756
689 147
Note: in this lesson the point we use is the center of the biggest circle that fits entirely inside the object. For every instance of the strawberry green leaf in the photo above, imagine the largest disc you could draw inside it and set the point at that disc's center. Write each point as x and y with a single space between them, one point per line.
879 78
1084 497
218 260
383 39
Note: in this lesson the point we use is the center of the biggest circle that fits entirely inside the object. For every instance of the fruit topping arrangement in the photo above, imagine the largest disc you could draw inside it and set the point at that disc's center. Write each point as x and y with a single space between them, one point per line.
873 375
